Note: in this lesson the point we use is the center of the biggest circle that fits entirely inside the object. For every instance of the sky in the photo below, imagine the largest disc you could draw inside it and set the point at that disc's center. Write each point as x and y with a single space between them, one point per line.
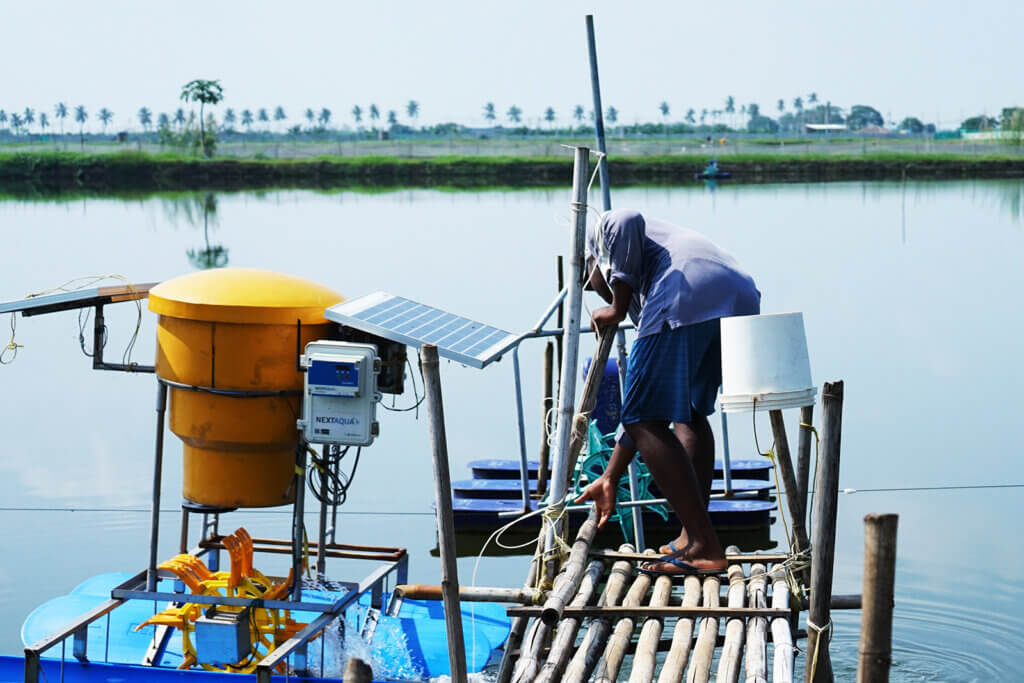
940 60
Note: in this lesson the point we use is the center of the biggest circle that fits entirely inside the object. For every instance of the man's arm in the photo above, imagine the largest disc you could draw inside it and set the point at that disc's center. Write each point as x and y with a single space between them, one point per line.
604 490
612 315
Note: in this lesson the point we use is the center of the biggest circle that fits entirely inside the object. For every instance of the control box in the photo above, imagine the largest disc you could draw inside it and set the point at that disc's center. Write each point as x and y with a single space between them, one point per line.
339 403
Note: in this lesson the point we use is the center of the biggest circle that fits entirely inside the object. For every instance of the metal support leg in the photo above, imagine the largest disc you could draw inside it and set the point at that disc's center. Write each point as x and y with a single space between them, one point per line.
183 545
634 485
79 647
297 519
154 531
726 465
321 555
524 468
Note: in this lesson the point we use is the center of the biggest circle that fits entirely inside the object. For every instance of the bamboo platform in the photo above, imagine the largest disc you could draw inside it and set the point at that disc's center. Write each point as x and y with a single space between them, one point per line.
622 624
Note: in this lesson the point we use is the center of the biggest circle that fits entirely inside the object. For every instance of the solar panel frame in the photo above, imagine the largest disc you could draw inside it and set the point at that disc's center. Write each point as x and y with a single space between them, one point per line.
410 322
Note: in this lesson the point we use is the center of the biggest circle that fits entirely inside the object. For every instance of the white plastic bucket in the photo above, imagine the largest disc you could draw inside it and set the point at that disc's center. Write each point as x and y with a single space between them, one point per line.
765 363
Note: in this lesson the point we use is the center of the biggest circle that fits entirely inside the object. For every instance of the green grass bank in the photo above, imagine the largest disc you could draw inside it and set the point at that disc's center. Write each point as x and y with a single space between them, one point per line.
57 172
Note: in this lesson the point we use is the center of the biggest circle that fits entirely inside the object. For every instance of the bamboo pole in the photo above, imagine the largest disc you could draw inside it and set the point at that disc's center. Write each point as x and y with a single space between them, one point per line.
757 628
682 637
585 658
545 421
561 469
419 591
782 635
445 517
826 498
650 634
615 650
568 580
731 659
560 315
707 638
518 627
803 454
589 396
565 635
785 465
875 651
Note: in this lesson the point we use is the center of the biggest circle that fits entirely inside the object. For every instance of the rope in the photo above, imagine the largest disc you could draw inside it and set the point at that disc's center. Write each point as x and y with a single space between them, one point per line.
817 455
11 345
820 630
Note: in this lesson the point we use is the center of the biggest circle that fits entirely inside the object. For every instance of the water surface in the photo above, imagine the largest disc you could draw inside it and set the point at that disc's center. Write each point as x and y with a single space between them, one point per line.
911 294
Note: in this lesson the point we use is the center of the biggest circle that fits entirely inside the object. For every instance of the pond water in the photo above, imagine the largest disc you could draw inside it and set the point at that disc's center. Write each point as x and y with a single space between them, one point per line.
911 294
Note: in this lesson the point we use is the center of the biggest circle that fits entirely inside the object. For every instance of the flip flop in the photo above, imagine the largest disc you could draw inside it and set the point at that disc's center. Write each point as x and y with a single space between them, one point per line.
686 568
672 549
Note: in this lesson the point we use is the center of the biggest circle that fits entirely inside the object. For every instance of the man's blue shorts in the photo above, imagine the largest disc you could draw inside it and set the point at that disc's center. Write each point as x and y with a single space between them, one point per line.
673 374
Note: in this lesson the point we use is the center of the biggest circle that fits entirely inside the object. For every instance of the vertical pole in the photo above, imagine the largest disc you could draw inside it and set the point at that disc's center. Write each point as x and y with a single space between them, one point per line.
567 385
545 423
875 651
524 467
595 86
321 537
445 518
634 484
803 454
560 317
183 541
826 496
298 511
158 461
785 465
726 463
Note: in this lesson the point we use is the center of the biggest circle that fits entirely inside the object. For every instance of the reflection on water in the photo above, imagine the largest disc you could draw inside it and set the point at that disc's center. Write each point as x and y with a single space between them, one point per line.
215 256
908 292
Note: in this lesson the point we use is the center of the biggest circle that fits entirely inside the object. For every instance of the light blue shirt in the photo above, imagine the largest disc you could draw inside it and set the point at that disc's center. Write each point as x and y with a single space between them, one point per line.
679 277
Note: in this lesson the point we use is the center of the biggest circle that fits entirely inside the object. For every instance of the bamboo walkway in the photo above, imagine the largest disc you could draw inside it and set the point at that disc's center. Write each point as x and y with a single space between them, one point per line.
621 624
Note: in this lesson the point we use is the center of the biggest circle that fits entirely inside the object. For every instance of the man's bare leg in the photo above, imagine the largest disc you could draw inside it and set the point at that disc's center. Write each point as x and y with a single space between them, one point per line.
699 443
674 473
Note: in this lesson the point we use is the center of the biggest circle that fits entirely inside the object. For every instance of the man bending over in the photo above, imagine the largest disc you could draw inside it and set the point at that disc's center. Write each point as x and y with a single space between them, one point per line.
675 284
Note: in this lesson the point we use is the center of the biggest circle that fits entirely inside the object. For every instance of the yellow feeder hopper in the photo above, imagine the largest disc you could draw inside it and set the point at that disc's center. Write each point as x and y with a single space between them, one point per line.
235 330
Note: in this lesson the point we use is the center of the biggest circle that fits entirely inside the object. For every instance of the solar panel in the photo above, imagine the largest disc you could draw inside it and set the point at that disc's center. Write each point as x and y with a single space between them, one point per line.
79 298
403 320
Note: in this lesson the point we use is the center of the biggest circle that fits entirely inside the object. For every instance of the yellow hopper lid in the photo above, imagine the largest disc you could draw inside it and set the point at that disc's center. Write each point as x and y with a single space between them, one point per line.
243 295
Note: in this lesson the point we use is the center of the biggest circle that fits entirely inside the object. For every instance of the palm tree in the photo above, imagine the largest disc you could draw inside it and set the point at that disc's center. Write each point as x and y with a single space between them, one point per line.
392 118
374 114
163 121
549 116
703 115
44 122
514 114
60 110
781 105
261 115
489 114
310 116
81 116
663 108
279 114
812 98
325 117
413 110
205 92
145 118
179 117
798 104
105 115
247 120
577 113
690 116
30 118
3 117
15 122
357 114
229 118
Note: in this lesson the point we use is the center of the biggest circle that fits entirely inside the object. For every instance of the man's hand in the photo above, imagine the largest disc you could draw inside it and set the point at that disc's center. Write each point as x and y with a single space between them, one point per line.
603 493
605 317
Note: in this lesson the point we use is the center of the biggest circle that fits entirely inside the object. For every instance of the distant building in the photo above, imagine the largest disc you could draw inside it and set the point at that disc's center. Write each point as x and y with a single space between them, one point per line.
874 130
825 127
